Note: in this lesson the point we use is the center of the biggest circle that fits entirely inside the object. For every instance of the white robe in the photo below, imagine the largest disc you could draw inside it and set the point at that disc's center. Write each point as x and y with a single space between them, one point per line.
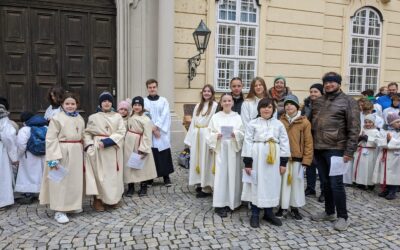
8 154
199 151
50 112
379 122
249 110
30 170
228 173
365 158
388 160
389 110
266 192
160 116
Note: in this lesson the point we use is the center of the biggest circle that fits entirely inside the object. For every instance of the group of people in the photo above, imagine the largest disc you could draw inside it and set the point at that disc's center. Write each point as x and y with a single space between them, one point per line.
60 159
255 149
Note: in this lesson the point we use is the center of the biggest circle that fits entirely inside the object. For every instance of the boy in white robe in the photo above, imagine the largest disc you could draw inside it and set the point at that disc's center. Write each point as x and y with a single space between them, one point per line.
266 152
387 168
228 173
8 156
366 154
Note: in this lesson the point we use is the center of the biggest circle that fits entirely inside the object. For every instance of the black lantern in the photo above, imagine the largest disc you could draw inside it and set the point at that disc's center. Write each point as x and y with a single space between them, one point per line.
201 37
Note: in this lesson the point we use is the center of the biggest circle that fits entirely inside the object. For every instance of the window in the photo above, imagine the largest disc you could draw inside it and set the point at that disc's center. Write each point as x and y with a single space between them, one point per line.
236 42
366 28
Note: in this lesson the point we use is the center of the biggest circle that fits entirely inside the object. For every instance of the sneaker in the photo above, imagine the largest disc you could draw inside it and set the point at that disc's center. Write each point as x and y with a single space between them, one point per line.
198 189
341 224
150 183
273 220
323 216
143 191
310 192
383 193
390 196
61 217
202 194
167 182
321 198
255 221
221 211
294 212
279 214
131 190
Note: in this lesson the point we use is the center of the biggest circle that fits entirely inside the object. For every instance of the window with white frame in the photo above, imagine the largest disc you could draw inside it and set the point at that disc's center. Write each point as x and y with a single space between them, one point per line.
366 29
236 42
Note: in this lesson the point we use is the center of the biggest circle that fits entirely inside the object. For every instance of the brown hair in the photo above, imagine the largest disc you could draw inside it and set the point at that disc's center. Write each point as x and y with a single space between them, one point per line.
252 92
395 98
393 84
70 95
210 103
220 99
367 106
58 92
150 81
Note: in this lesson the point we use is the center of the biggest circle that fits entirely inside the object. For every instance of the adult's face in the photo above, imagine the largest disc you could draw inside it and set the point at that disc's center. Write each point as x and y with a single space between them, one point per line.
152 89
279 85
392 89
314 94
331 87
236 87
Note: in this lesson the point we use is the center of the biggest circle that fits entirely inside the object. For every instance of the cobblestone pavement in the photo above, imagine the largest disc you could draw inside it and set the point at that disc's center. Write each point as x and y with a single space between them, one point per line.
173 218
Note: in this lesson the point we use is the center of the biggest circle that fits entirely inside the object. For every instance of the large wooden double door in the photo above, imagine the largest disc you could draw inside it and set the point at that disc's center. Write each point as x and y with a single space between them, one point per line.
45 43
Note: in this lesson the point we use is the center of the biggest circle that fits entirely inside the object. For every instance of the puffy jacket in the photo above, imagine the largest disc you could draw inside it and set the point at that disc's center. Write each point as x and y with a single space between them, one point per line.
336 123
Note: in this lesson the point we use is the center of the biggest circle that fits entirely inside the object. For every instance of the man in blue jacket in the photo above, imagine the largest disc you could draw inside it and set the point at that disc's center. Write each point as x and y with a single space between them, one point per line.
386 101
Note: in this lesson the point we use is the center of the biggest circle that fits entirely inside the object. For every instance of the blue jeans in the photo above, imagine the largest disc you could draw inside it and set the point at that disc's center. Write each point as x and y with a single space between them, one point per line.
255 211
311 175
335 194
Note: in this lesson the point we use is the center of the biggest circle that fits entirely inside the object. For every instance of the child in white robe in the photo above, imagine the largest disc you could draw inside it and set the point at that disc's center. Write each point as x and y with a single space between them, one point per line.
301 150
266 152
387 168
30 170
8 156
366 154
228 173
124 109
394 107
55 97
201 173
64 150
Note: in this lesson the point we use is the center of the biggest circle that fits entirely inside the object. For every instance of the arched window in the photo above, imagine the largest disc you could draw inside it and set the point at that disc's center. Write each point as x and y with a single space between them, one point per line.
236 42
366 30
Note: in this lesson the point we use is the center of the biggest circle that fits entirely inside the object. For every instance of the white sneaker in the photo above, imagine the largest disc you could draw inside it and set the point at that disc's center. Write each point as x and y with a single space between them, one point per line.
61 217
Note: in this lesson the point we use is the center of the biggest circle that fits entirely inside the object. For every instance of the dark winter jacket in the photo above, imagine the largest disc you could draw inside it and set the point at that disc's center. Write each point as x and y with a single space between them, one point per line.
336 123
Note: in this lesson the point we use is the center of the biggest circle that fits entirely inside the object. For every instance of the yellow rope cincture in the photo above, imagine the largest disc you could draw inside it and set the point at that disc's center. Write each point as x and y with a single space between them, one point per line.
198 148
290 177
272 152
213 166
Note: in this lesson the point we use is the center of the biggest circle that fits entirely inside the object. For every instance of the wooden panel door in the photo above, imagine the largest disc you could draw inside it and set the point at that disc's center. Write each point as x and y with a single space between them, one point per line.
14 59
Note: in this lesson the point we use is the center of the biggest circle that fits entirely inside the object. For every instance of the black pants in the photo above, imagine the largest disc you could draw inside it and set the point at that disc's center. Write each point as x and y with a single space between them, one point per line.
335 194
311 175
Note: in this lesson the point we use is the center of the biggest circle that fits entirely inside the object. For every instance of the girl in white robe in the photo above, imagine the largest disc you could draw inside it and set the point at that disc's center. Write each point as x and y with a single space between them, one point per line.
124 109
64 150
266 151
8 156
228 173
104 140
30 170
366 154
201 171
55 97
387 168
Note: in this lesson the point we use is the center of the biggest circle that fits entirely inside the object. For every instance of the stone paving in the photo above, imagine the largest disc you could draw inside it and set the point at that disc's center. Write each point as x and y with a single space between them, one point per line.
172 218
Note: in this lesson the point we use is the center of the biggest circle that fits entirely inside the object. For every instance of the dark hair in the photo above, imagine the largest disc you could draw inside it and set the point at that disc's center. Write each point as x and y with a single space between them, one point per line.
252 92
393 84
70 95
210 103
395 98
265 102
141 112
332 76
58 92
150 81
4 102
368 92
236 78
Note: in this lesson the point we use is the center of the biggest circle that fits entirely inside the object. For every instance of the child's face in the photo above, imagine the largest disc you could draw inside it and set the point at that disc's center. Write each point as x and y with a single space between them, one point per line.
106 105
227 103
123 112
70 105
290 109
236 87
396 125
207 94
137 108
152 89
258 88
368 124
396 103
266 112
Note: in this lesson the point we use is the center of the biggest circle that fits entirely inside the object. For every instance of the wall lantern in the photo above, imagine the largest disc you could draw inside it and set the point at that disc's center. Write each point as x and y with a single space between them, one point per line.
201 37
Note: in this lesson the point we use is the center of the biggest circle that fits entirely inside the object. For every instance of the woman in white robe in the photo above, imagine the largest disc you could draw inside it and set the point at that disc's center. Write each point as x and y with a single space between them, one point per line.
138 140
201 161
266 151
104 140
387 170
228 173
366 154
8 157
64 150
30 170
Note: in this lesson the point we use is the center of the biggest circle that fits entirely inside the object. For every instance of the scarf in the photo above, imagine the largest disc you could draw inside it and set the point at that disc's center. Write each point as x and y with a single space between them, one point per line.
73 114
291 119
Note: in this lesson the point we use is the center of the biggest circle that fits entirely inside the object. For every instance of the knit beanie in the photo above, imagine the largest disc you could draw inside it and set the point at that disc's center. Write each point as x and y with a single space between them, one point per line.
124 105
318 86
293 100
105 96
26 115
4 102
138 100
370 117
393 117
280 78
332 78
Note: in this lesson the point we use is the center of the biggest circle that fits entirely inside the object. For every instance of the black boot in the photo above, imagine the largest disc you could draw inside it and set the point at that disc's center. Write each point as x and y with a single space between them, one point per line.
143 189
167 181
131 190
321 198
271 218
255 221
295 213
383 193
221 211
